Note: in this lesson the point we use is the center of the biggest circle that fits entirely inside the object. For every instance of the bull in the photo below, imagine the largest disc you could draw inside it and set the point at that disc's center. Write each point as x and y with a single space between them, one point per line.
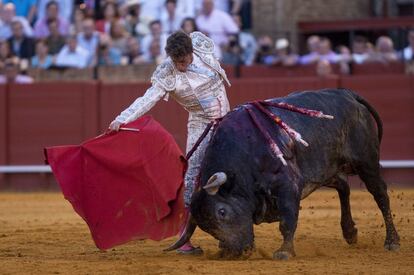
242 183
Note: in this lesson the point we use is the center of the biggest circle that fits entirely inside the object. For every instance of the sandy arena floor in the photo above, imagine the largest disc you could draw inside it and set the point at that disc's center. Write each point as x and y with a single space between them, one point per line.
41 234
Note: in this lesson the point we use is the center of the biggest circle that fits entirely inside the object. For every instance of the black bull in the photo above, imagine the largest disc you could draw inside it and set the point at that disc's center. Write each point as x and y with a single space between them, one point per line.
244 184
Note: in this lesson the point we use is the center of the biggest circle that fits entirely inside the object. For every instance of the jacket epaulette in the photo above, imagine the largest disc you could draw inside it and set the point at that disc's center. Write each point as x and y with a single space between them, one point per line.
164 75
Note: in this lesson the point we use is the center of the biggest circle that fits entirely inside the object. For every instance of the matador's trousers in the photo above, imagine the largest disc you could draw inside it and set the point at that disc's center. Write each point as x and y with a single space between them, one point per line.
195 127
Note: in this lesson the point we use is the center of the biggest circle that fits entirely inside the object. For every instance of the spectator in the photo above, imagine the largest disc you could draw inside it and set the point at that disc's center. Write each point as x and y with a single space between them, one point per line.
8 15
170 19
52 13
119 36
72 55
265 53
344 59
54 41
247 43
12 73
326 52
42 59
408 52
216 23
136 23
78 17
89 38
232 54
324 68
20 45
5 53
152 8
384 51
24 8
108 55
64 12
156 34
111 14
155 55
312 42
228 6
189 25
134 53
284 56
359 50
186 8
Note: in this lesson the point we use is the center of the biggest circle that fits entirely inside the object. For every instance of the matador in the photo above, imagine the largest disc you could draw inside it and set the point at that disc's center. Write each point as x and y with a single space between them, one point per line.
193 77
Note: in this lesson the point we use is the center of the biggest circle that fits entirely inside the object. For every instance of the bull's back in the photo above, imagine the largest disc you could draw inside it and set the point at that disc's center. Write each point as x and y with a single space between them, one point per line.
332 143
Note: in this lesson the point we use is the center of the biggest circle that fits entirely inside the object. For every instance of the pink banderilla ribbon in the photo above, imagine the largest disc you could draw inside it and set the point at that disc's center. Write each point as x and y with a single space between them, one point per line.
289 130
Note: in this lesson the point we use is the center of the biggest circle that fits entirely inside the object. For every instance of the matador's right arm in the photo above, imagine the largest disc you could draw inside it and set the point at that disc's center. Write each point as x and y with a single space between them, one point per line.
163 81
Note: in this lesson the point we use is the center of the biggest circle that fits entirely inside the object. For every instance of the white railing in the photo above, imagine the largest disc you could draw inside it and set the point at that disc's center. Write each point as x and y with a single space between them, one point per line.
18 169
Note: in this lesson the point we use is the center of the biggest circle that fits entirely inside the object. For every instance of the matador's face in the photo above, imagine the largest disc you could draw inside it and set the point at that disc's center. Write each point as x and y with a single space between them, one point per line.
182 63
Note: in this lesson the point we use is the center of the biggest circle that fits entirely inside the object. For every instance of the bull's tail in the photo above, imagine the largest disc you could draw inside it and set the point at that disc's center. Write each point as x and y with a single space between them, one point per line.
373 112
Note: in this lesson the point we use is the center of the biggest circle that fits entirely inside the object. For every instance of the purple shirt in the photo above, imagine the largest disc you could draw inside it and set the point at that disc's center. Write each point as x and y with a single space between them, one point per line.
41 29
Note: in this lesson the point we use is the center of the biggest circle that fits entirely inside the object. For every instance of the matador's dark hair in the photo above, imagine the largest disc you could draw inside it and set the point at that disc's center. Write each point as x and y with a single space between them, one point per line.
179 44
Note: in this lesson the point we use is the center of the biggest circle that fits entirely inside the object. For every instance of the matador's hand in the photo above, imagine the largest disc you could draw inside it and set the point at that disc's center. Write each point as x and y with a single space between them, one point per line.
114 126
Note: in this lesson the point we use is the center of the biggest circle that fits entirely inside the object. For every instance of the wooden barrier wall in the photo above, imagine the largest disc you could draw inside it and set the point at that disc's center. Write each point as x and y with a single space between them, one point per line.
393 98
47 114
3 125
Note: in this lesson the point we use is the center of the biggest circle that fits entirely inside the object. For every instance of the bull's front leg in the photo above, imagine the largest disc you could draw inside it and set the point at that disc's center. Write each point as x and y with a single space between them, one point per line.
288 205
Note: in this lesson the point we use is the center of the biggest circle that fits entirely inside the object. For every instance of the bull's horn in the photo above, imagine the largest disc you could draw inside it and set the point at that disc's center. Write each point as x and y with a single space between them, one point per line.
214 183
185 235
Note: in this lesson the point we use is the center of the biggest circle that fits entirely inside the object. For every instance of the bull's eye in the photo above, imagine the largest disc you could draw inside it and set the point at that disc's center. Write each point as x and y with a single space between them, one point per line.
222 212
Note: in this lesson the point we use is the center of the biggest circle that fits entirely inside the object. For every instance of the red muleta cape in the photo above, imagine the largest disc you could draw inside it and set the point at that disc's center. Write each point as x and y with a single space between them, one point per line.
125 185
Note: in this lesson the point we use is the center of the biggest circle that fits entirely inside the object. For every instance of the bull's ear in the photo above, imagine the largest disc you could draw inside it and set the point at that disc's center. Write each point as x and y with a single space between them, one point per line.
214 183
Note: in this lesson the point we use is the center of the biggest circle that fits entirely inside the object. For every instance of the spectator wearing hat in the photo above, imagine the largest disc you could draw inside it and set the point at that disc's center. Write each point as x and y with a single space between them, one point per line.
284 56
52 13
11 73
7 16
72 55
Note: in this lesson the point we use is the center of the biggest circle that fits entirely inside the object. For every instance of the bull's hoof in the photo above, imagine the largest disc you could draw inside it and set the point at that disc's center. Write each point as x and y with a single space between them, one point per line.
392 246
351 237
282 255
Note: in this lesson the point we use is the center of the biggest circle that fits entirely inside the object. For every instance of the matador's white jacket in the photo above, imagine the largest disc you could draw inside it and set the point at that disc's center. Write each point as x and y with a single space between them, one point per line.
200 90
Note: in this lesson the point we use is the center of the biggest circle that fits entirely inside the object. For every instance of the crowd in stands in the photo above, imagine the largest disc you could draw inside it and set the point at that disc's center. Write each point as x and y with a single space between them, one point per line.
75 34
